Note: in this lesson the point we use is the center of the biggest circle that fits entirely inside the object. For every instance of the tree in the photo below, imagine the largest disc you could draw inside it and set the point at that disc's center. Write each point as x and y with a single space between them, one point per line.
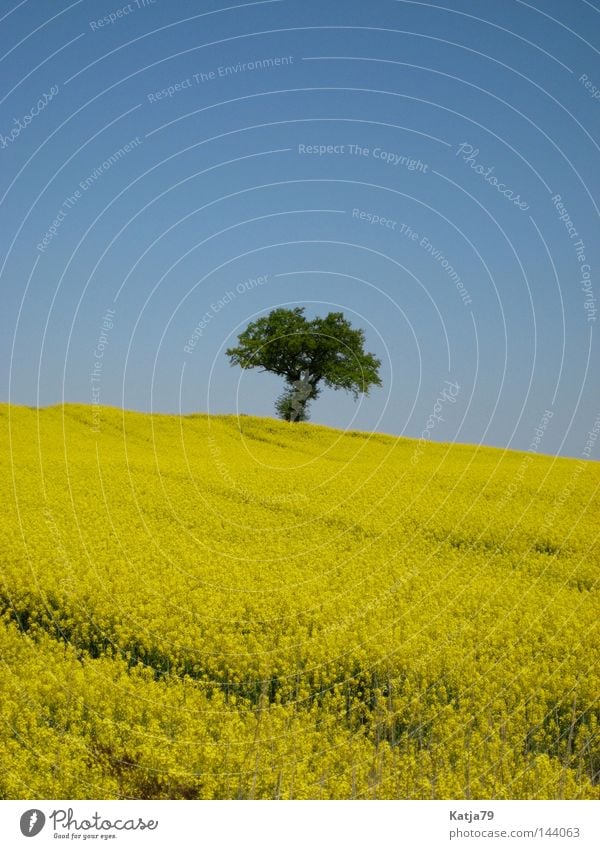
307 354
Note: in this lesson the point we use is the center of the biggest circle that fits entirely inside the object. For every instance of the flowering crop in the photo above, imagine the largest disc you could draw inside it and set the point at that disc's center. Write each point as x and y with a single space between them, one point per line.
214 607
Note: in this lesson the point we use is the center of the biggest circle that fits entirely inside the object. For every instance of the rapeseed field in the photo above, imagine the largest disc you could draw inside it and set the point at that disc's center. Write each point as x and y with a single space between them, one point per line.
221 607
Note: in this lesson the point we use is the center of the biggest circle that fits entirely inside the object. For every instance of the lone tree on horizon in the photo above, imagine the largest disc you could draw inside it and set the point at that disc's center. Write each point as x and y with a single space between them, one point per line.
307 353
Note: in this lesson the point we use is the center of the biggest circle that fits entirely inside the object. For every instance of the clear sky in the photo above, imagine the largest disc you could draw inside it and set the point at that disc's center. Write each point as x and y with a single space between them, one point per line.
171 170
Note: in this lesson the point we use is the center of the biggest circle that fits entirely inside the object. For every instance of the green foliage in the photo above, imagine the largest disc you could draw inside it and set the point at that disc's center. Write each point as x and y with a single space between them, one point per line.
325 350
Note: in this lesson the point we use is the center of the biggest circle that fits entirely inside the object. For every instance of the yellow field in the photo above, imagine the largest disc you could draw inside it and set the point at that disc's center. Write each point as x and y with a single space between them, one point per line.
207 607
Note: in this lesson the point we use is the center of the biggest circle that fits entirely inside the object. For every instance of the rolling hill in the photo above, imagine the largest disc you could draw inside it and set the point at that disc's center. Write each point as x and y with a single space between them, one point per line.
222 607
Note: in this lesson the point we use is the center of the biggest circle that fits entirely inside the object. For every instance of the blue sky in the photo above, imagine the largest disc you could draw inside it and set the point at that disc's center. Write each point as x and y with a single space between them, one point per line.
172 153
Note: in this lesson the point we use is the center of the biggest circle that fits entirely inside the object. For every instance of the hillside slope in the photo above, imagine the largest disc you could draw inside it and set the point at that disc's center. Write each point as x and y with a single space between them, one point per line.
214 607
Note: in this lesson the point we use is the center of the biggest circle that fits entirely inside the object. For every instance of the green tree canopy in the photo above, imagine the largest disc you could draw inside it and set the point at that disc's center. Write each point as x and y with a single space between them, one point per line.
307 354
